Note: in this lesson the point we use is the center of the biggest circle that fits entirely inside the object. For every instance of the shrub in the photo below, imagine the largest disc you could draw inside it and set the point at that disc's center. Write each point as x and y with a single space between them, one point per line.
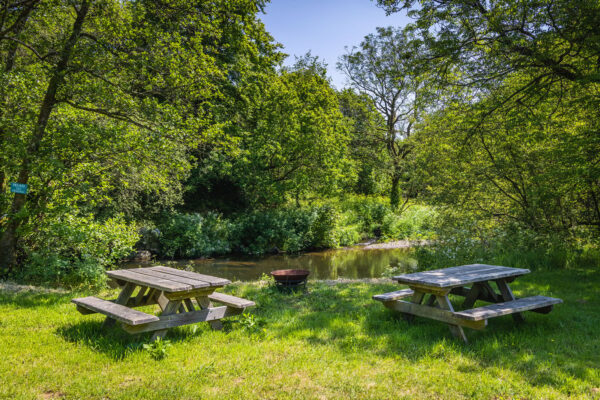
511 245
368 212
328 224
416 222
75 250
194 235
286 229
348 235
324 227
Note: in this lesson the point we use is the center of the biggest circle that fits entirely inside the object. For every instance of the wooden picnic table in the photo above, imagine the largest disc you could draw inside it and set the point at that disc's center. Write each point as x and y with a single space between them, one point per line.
184 297
428 292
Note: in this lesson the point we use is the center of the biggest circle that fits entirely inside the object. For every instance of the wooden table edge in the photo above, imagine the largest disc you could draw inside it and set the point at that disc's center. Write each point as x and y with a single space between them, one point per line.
420 284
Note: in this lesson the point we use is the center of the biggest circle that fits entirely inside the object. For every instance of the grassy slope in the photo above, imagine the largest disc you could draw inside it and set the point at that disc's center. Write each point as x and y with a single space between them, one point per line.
331 343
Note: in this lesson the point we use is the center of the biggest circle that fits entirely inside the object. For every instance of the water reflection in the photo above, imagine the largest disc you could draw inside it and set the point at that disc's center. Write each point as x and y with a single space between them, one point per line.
331 264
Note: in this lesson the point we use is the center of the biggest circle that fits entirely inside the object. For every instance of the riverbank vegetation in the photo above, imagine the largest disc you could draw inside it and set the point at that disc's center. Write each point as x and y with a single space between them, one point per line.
175 127
331 342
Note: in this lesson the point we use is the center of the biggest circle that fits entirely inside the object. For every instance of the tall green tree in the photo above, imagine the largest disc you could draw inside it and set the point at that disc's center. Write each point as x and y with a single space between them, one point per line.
533 165
105 93
367 145
385 68
478 44
296 138
521 135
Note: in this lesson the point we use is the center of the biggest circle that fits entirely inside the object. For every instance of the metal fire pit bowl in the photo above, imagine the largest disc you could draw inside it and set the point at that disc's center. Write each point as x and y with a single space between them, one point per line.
290 278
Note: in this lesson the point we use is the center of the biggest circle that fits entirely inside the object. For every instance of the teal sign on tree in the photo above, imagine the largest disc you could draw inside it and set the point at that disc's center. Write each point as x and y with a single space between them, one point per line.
18 187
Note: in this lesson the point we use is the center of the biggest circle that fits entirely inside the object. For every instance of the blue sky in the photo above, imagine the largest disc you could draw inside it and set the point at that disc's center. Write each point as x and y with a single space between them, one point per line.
325 27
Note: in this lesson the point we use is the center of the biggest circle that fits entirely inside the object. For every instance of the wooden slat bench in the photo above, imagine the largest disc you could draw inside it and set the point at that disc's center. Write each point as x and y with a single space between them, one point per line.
121 313
391 296
231 301
509 307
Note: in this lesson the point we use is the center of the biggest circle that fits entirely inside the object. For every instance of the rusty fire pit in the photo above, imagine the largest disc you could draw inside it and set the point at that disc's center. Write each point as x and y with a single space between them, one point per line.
290 278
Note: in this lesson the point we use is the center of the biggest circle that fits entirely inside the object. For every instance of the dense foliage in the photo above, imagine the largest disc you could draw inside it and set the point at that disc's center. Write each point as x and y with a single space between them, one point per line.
175 122
332 223
516 139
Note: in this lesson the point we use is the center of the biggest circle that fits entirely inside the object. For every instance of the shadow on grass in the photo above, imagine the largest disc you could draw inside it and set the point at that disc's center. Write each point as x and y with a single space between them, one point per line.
557 350
115 342
34 298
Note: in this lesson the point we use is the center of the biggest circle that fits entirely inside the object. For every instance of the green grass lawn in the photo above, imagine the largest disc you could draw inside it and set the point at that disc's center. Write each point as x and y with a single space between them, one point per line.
330 343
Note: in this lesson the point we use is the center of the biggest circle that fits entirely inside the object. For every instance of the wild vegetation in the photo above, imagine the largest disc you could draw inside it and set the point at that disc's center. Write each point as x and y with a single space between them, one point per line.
173 126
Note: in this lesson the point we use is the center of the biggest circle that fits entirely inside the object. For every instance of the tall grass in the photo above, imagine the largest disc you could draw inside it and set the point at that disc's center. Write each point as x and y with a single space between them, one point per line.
508 245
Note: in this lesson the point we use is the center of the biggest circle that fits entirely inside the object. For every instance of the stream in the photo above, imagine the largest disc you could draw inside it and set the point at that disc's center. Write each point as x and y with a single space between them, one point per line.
352 263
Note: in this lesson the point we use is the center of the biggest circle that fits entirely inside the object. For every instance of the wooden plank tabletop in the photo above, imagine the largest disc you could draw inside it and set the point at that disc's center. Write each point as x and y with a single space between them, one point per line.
458 276
167 279
211 280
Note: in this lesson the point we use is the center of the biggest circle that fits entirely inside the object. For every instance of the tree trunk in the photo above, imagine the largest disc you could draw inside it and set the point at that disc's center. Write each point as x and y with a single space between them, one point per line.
8 241
395 191
10 63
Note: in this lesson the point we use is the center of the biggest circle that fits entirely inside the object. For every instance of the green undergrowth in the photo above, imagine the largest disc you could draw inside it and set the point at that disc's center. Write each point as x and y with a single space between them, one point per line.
330 342
322 224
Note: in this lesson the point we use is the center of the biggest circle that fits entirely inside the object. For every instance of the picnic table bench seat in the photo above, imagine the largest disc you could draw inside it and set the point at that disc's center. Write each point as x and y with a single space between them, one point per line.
231 301
541 304
391 296
116 311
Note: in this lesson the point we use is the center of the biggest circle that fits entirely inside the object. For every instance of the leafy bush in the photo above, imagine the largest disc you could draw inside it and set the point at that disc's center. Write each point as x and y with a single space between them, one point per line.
416 222
327 224
348 235
75 250
510 245
194 235
294 229
368 212
286 229
324 227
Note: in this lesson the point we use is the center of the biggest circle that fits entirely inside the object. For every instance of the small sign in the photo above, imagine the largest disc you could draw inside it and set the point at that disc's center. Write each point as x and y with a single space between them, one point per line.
18 187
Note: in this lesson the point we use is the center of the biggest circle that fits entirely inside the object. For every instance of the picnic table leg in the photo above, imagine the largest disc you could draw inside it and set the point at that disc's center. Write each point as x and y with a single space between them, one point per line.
189 305
140 296
472 296
507 295
170 307
162 300
417 298
431 301
204 302
122 299
456 330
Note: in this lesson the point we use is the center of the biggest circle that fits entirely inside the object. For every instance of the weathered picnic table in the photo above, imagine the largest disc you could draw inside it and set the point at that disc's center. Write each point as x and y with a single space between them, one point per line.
173 290
429 292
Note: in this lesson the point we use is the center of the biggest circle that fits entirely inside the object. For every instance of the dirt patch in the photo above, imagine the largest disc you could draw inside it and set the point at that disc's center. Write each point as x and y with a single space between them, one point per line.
12 287
397 244
333 282
51 394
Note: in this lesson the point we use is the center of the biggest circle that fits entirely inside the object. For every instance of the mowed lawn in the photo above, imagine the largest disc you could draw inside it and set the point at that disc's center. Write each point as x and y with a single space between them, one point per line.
333 342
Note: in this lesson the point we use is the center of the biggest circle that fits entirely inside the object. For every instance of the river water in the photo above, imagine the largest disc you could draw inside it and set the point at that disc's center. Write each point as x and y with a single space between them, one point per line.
353 263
